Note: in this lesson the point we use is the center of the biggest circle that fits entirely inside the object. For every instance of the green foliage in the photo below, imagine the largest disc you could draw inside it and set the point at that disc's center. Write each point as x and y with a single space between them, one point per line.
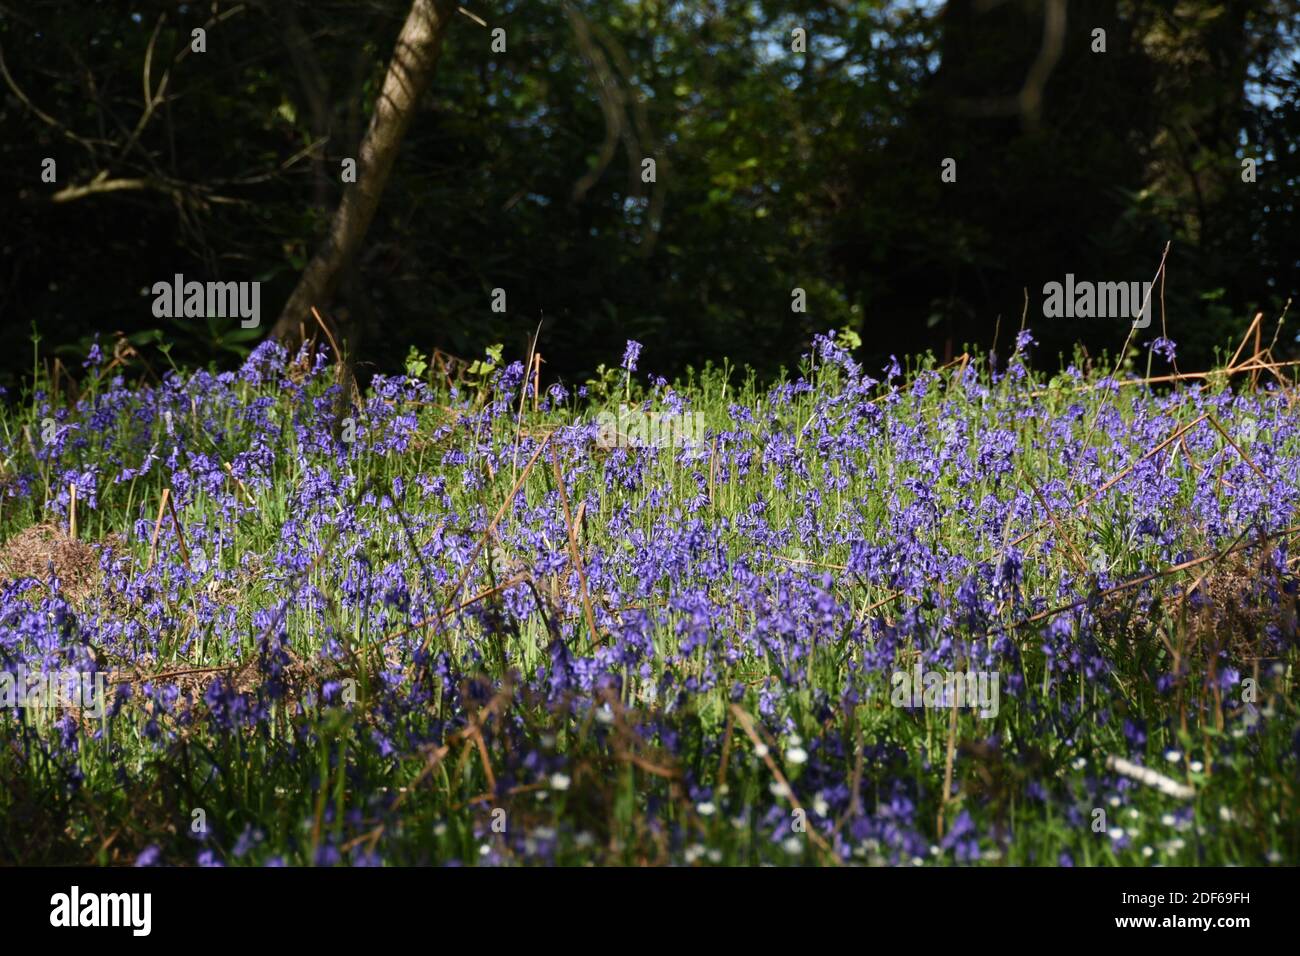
416 366
480 370
775 170
606 384
1244 807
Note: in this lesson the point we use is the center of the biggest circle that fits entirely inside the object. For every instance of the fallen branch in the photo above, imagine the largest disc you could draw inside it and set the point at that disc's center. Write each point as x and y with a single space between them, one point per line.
1148 777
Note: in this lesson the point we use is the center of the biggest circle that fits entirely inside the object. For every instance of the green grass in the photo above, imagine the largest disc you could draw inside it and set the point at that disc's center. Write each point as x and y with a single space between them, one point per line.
308 535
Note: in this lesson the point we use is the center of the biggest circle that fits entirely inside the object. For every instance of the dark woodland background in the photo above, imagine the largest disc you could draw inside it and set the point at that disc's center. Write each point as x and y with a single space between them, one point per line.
775 170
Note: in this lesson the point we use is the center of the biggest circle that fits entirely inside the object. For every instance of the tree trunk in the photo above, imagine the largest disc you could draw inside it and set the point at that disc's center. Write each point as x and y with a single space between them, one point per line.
408 76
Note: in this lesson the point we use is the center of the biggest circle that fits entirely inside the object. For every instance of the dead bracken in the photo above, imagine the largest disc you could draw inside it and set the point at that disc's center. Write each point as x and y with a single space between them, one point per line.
45 551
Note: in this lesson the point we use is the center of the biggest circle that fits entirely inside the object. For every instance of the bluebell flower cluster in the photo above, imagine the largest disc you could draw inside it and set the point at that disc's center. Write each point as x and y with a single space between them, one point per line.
358 647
